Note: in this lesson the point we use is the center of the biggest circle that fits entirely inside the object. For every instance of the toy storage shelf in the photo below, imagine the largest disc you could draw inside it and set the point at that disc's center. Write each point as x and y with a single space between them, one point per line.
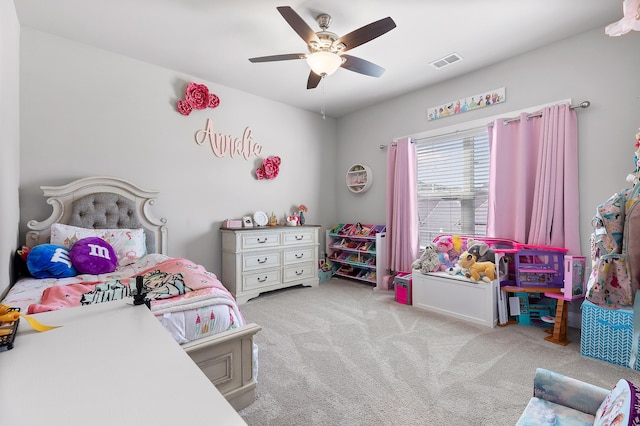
358 253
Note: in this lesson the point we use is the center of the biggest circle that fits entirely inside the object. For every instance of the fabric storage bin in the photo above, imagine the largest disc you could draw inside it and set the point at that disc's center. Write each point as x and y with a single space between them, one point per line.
324 276
607 334
402 287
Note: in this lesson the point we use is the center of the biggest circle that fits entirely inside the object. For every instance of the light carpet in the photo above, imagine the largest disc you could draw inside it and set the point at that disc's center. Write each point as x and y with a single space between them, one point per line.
343 353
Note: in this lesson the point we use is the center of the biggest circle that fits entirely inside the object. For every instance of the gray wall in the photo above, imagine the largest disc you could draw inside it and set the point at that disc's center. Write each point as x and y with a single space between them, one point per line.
9 138
590 66
87 112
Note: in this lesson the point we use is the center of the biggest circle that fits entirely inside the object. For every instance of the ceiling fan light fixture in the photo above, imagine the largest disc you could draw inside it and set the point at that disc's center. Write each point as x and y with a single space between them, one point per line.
324 63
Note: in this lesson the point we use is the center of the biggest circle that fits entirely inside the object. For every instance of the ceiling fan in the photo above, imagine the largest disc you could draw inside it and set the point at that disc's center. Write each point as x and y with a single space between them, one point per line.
326 49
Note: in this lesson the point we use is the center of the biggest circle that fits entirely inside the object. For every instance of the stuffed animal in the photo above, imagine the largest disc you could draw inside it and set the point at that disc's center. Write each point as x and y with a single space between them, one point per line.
428 261
481 251
444 244
477 270
456 269
457 244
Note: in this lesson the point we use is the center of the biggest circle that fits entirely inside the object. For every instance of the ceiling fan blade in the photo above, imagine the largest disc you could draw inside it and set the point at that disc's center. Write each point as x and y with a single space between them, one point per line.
366 33
272 58
361 66
298 24
313 81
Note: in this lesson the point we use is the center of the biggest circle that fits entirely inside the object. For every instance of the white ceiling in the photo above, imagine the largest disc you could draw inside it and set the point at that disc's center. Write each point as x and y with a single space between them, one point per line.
213 39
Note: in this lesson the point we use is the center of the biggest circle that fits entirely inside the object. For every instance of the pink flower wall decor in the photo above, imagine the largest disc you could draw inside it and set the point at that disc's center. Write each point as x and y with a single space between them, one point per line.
269 169
197 96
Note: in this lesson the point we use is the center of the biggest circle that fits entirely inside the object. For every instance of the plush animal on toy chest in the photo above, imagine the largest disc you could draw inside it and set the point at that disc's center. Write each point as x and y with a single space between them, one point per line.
428 261
481 251
444 244
477 270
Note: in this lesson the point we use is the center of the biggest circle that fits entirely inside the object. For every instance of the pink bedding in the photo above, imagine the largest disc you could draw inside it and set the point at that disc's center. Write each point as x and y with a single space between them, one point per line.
172 284
189 301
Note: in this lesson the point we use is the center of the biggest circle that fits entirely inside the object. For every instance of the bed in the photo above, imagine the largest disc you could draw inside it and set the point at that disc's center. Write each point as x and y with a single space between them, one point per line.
189 301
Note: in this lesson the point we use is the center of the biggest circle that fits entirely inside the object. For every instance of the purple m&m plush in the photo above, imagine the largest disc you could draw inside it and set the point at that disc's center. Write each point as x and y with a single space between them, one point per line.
93 256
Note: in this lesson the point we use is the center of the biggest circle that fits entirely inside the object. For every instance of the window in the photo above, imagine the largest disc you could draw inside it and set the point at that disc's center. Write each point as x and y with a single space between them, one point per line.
453 184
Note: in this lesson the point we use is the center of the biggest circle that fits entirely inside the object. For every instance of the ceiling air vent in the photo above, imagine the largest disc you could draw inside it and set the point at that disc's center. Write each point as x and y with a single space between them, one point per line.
447 60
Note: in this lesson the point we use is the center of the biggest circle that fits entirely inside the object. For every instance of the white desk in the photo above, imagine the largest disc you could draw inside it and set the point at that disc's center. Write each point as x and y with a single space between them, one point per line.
110 364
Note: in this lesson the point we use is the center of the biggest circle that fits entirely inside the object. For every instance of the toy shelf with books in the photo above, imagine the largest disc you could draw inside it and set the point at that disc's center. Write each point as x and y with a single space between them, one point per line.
358 251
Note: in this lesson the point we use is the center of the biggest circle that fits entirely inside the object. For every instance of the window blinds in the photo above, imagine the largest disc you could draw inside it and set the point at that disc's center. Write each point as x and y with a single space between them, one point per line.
453 184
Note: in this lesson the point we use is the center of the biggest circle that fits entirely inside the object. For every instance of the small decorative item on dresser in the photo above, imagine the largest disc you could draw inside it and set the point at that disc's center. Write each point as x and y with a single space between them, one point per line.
247 222
260 218
232 223
302 209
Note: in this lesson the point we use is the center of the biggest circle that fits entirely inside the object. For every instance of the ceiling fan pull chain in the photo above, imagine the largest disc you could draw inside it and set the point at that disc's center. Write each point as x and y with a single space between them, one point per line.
324 117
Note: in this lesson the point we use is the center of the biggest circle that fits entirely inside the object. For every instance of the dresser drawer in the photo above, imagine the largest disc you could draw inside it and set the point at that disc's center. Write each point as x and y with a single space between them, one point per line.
300 271
260 260
260 240
302 254
302 236
260 279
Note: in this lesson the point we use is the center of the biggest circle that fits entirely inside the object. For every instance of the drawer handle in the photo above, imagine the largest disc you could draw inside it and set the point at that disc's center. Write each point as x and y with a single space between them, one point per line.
261 280
299 255
263 260
300 272
299 237
262 240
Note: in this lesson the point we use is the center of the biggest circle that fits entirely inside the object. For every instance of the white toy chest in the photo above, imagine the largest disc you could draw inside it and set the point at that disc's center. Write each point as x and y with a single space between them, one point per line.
457 297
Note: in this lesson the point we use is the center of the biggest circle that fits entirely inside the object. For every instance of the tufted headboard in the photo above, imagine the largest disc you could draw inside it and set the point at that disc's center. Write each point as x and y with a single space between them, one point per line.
101 202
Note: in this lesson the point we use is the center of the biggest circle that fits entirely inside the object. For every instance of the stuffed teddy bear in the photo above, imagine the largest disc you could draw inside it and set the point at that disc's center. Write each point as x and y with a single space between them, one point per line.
481 251
477 270
428 261
444 244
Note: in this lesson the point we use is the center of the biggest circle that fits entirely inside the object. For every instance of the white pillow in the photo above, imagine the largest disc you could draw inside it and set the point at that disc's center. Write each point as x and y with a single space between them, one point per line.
129 244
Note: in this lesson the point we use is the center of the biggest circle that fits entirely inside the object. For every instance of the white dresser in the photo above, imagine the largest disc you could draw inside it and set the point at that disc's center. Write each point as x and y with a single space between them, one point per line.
255 260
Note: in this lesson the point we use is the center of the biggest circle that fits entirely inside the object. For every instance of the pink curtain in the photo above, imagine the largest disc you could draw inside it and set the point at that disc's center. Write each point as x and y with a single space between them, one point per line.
402 202
533 185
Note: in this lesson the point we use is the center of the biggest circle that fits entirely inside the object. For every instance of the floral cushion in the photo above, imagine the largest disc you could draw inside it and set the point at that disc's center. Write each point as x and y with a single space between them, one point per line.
129 244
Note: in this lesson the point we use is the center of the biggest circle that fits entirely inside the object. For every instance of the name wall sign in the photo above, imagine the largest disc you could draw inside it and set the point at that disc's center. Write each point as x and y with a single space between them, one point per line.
221 144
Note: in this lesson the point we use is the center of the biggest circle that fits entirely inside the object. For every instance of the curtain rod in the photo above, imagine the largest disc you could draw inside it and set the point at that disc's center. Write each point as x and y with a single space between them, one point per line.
583 104
382 147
